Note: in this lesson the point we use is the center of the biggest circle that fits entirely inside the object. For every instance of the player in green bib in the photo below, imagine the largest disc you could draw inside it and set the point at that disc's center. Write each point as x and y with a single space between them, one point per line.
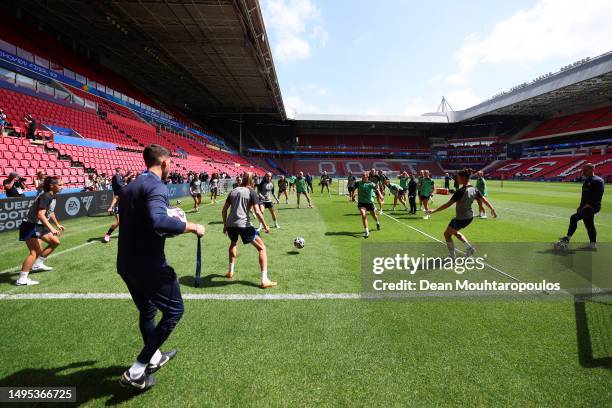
481 185
427 190
291 180
403 180
367 191
419 185
398 194
301 187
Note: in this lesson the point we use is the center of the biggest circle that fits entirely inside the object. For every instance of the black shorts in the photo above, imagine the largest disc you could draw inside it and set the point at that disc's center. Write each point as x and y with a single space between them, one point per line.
198 195
367 206
267 204
351 189
27 230
248 234
214 190
282 190
423 197
459 224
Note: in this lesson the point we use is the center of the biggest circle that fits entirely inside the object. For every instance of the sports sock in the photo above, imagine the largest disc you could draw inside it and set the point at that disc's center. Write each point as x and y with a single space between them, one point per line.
23 275
156 357
451 248
39 260
231 267
110 231
367 230
468 245
264 275
137 370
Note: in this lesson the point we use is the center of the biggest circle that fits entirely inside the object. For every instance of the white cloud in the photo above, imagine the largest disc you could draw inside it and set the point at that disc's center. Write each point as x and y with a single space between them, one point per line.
295 25
551 28
418 106
462 98
296 105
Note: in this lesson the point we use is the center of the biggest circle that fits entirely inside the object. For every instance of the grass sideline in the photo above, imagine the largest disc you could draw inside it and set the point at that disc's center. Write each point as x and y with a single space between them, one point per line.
307 352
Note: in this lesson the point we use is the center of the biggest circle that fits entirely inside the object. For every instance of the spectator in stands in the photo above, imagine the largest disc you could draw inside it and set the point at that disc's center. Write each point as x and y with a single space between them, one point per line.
31 124
14 185
103 182
39 181
90 183
2 121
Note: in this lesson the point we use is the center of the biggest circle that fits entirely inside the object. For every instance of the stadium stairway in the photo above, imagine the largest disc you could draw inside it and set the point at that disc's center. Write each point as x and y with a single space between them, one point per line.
26 158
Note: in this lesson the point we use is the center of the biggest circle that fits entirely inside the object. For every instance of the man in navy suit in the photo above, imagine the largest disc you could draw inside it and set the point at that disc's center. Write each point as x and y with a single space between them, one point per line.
141 263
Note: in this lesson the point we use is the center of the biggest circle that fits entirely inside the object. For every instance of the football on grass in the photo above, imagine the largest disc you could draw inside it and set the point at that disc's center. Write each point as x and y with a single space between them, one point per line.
299 243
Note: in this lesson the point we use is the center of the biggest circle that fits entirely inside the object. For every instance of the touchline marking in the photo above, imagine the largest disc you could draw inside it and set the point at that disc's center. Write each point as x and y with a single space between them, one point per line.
255 297
441 242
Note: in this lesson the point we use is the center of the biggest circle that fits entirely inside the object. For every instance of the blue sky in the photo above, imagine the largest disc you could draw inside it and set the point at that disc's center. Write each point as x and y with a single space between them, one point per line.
400 57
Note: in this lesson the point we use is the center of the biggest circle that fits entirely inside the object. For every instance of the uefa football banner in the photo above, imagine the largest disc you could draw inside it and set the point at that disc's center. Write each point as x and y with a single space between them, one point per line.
70 205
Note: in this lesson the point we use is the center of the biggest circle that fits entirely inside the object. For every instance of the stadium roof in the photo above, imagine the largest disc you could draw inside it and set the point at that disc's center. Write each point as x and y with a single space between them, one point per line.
429 118
569 90
212 55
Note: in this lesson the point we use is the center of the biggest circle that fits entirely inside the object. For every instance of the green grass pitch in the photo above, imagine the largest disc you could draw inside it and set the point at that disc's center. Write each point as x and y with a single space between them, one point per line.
307 352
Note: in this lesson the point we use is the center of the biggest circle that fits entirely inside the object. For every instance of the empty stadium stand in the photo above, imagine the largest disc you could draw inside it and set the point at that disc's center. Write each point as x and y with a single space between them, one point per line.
559 168
597 119
26 158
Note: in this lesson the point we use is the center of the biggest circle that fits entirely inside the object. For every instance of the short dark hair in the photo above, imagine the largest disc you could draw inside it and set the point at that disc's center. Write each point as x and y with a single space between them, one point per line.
153 153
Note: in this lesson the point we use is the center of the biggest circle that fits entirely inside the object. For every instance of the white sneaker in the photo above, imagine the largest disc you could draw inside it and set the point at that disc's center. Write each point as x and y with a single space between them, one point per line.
469 251
426 217
483 217
26 282
106 239
366 234
380 212
277 226
41 267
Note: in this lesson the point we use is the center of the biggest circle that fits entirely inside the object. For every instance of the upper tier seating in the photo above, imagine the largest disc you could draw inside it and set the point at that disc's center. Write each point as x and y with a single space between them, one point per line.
362 142
583 121
103 104
84 121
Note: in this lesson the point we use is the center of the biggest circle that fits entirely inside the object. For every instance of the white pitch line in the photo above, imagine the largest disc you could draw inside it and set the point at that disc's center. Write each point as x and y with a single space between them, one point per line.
444 243
255 297
187 296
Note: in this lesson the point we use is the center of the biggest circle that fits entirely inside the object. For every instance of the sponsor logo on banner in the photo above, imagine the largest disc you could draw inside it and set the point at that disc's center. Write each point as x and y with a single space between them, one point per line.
73 206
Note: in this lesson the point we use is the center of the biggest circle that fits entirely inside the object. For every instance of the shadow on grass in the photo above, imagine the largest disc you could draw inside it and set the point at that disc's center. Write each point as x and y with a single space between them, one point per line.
91 383
215 223
593 314
215 280
94 239
100 215
344 233
9 278
293 252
